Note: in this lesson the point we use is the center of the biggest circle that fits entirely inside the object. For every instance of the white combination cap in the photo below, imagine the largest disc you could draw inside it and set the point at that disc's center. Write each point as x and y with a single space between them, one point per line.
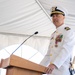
59 10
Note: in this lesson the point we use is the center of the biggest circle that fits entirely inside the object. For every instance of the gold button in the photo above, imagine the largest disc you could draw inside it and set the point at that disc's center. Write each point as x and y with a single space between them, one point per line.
50 54
56 32
51 46
53 39
51 63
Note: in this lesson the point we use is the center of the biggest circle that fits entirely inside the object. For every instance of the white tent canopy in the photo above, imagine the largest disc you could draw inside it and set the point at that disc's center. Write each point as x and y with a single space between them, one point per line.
20 18
24 17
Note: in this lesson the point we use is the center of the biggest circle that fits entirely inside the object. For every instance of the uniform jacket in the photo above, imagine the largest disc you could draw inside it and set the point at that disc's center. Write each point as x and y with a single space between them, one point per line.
60 50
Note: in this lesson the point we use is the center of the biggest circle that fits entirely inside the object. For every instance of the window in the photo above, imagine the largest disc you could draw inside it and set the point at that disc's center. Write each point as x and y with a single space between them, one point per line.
24 51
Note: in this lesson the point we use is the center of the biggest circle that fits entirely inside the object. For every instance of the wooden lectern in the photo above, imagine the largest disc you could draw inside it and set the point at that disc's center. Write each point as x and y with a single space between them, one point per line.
15 65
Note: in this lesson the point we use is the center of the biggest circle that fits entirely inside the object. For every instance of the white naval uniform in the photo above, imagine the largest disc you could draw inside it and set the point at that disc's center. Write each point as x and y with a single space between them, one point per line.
60 55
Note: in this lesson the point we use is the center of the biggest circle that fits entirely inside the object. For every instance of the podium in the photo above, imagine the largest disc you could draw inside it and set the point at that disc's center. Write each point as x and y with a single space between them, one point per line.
15 65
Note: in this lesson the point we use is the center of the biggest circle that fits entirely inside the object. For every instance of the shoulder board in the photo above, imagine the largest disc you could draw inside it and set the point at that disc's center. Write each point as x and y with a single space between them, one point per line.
67 28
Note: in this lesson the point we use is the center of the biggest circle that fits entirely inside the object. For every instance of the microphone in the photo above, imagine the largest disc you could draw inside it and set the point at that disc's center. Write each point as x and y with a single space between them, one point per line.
24 42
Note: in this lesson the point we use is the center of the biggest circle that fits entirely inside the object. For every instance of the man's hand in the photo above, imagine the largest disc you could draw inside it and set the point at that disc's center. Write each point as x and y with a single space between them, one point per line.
50 68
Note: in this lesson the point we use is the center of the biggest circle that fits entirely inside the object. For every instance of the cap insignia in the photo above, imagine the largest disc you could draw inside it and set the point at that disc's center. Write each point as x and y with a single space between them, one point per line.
53 8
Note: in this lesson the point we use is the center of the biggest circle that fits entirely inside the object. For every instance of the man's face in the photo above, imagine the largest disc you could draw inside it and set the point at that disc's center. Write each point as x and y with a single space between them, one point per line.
58 19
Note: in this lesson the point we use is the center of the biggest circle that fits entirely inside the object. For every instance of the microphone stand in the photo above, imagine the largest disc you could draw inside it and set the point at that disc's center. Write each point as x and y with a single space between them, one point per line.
24 42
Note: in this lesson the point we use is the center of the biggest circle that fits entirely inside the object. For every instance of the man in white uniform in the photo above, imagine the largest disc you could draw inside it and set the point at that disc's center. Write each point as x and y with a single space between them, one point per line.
61 45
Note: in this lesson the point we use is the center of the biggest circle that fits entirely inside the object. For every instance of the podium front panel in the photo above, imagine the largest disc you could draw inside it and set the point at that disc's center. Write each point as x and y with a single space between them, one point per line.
20 71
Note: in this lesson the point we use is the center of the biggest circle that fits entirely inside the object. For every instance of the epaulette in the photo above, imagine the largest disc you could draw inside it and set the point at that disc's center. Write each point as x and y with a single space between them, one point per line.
67 28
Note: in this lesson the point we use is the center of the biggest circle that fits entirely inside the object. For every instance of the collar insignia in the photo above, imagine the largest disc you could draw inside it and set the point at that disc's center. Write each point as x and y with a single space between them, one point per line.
67 28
